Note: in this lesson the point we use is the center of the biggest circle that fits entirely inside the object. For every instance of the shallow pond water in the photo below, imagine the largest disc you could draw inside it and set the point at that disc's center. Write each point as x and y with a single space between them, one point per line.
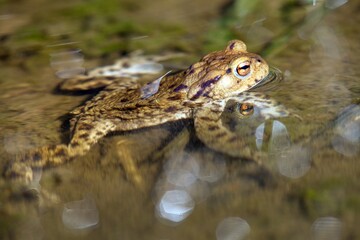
162 182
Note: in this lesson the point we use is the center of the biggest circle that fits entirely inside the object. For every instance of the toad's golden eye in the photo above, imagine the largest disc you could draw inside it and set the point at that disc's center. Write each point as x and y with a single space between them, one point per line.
243 68
246 109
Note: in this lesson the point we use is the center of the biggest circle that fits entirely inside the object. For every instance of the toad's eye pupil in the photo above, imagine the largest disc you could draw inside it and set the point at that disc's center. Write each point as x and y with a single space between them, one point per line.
243 68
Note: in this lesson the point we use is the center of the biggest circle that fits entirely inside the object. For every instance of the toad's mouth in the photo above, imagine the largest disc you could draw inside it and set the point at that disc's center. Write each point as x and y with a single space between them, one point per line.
271 81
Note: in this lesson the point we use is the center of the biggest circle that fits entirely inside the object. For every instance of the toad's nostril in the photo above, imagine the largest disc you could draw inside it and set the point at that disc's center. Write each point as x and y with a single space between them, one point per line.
258 60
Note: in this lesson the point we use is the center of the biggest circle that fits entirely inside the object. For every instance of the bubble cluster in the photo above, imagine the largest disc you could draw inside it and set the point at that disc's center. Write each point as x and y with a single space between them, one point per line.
187 180
292 160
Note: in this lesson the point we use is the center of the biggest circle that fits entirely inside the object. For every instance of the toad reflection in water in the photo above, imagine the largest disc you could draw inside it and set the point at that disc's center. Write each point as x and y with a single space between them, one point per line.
199 92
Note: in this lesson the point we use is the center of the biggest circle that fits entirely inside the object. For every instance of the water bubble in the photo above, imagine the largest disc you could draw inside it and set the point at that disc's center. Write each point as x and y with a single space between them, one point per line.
295 162
346 148
327 228
211 170
232 228
348 124
182 170
181 177
199 191
292 161
175 205
346 138
80 214
259 135
280 139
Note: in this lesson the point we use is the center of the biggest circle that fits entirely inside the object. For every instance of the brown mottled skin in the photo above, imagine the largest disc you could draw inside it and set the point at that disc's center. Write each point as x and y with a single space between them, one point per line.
182 95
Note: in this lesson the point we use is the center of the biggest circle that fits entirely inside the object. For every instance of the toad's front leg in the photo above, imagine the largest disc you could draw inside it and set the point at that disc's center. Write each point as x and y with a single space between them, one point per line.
213 133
